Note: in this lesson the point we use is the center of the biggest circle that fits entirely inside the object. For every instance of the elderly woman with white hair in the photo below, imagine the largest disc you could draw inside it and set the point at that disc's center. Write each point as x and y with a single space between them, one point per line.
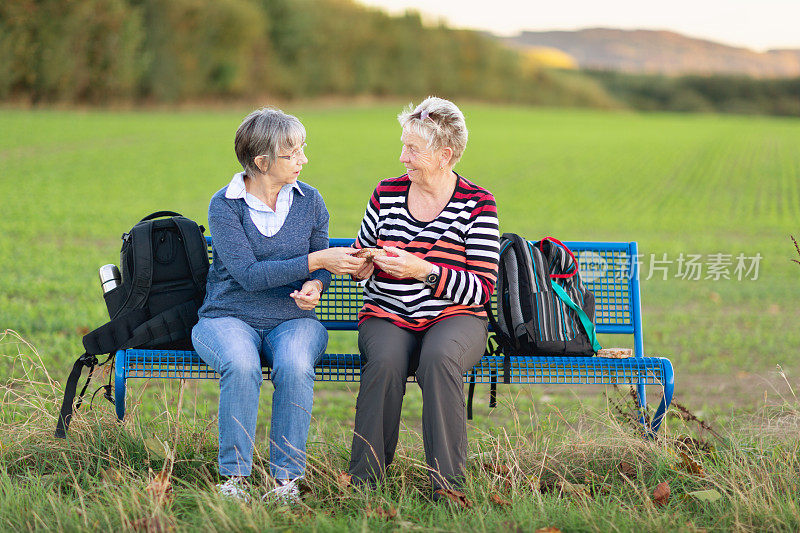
271 263
423 299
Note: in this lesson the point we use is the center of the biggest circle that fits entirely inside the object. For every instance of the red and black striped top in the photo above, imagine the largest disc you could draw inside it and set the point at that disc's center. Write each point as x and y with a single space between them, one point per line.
463 240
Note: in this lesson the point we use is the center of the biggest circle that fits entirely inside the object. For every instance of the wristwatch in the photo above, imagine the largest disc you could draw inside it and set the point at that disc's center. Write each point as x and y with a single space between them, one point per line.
432 279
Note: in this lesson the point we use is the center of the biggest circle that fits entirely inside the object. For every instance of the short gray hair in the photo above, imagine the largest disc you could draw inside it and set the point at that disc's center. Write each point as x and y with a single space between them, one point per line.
440 122
266 131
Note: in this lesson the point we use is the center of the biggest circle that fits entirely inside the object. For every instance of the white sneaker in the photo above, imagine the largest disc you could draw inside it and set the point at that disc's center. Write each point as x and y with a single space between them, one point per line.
234 488
287 491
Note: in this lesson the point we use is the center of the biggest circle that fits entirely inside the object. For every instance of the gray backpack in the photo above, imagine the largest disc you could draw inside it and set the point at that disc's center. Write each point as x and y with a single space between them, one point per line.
543 308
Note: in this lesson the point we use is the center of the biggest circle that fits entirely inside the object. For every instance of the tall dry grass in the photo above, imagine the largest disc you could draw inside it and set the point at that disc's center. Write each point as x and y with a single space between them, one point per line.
588 471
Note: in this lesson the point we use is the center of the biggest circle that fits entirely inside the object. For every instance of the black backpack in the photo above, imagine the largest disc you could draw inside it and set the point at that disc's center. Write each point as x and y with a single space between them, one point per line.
164 265
543 308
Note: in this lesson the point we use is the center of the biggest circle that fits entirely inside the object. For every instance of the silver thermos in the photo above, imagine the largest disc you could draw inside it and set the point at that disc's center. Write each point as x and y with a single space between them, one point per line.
110 277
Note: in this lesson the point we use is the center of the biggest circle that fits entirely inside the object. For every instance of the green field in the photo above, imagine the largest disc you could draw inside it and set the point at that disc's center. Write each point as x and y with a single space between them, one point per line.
72 182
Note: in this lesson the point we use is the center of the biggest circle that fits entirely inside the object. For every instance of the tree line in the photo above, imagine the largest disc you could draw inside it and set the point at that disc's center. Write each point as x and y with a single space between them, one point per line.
156 51
707 94
101 51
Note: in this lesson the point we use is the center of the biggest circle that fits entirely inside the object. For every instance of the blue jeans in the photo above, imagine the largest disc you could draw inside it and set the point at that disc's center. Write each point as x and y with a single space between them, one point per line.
237 352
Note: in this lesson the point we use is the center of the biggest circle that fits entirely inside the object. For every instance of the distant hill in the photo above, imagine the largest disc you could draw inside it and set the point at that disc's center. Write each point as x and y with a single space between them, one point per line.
659 52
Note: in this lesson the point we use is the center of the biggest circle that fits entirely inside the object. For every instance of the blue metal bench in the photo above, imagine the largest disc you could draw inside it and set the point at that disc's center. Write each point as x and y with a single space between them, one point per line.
609 269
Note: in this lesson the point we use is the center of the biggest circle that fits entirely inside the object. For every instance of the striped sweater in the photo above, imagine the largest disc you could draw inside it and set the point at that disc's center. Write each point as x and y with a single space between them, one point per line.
462 240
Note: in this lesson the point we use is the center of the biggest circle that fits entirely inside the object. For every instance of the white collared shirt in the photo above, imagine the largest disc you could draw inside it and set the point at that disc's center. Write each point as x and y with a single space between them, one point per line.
266 220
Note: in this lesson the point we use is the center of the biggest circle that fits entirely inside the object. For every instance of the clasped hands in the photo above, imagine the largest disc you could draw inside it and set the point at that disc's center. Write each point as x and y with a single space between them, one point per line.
339 260
397 263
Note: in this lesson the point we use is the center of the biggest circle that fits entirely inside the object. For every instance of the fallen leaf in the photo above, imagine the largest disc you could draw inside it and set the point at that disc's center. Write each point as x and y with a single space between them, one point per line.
549 529
160 487
500 469
344 480
380 512
575 490
709 495
692 466
112 475
590 477
694 446
83 330
303 486
156 447
496 499
627 469
456 496
661 494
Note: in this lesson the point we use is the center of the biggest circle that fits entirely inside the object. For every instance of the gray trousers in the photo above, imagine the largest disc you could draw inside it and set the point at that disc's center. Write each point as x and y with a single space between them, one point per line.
438 356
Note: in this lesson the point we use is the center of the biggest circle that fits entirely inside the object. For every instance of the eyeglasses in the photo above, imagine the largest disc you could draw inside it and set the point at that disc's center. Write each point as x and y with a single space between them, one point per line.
294 156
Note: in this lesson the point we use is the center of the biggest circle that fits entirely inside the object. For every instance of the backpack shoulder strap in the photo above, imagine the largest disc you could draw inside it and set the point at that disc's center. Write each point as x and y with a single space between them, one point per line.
142 250
518 310
196 250
65 415
500 326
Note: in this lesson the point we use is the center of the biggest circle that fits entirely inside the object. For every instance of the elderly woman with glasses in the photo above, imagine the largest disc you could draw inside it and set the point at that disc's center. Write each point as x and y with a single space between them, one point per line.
424 295
271 263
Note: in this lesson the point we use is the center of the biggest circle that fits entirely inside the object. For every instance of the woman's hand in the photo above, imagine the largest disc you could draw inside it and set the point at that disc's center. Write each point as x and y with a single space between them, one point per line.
402 264
336 260
308 296
365 272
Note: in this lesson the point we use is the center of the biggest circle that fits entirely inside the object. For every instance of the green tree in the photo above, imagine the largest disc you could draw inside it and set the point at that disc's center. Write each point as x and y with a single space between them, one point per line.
73 51
202 47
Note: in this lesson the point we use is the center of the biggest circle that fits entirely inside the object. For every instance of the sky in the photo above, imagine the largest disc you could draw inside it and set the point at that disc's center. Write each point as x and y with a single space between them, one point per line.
754 24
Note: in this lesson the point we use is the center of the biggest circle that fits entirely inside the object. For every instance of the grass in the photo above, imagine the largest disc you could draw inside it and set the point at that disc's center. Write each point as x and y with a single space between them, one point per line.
71 182
583 472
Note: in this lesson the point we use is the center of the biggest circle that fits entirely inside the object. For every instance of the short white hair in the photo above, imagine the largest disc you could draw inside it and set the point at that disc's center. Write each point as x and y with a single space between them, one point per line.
440 122
266 131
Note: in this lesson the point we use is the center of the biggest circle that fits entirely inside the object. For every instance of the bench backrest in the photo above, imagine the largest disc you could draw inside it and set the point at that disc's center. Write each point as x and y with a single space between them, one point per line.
608 269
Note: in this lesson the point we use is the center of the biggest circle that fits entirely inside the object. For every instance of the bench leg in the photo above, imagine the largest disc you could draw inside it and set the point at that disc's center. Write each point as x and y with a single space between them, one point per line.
119 383
669 388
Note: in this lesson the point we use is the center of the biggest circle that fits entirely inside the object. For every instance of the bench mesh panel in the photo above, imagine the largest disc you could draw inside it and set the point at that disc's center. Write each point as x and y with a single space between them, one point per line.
607 274
341 302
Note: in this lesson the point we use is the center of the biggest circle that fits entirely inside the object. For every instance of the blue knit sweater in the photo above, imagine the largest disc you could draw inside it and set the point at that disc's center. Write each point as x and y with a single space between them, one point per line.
251 275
